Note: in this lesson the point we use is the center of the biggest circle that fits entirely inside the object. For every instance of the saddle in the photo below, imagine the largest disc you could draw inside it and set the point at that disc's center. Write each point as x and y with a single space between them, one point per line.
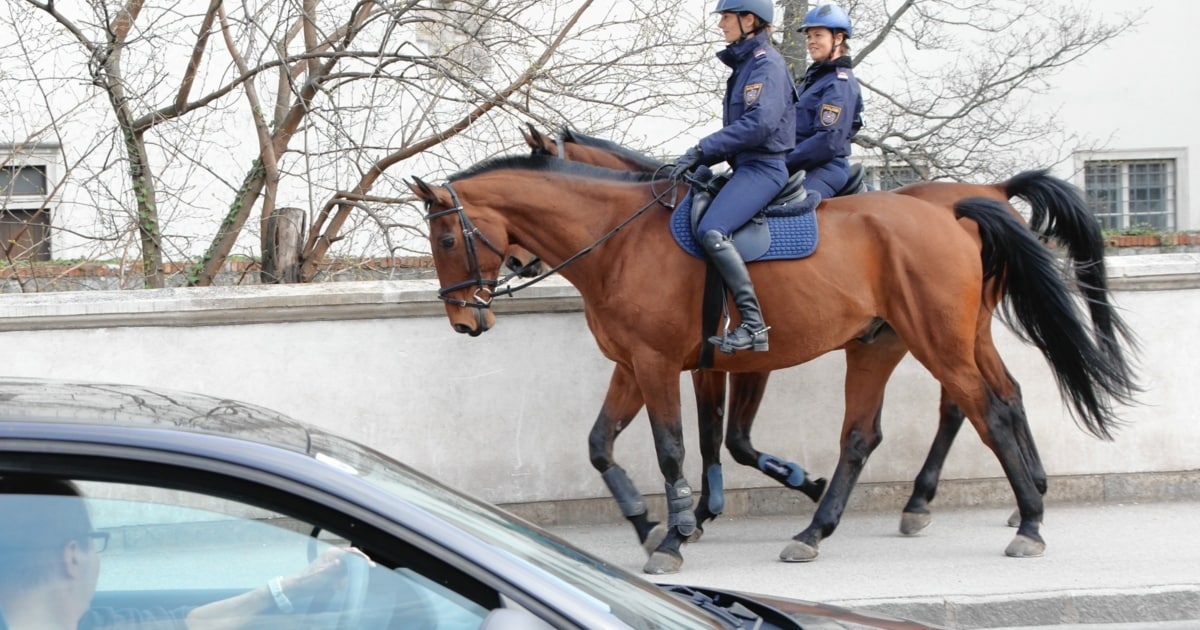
753 239
786 228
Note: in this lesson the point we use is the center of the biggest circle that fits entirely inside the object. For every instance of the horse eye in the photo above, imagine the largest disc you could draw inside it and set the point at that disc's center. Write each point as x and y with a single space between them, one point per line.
447 241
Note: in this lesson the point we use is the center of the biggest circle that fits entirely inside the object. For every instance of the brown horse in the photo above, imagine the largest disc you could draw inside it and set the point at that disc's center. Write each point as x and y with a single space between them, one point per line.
1058 214
887 261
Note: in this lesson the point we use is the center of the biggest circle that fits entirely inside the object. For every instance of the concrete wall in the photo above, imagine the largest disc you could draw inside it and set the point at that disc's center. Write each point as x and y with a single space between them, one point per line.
506 415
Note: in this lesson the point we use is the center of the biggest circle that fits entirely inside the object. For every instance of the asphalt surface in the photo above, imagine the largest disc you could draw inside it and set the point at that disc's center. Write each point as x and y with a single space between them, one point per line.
1112 565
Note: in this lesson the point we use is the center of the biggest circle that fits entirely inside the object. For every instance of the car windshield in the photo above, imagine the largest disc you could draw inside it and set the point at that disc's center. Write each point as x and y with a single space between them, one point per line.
636 601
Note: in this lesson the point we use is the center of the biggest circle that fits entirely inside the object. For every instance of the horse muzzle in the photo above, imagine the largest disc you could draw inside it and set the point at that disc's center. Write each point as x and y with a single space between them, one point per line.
481 324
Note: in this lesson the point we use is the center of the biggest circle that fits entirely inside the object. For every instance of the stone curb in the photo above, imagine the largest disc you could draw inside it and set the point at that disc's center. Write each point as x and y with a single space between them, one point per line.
1171 603
890 496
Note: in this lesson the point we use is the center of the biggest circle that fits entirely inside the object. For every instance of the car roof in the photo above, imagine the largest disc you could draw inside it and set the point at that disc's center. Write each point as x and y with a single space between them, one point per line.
111 404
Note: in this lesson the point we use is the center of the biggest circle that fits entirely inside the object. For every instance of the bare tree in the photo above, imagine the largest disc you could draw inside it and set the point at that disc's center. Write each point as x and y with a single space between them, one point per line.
179 121
947 84
333 95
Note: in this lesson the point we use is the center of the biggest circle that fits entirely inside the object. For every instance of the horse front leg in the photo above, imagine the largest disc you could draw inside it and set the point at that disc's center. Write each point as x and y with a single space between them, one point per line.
660 390
621 405
747 393
868 368
709 388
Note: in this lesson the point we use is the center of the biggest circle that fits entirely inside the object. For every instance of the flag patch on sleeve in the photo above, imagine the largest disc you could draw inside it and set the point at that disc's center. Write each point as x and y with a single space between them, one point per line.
751 93
830 114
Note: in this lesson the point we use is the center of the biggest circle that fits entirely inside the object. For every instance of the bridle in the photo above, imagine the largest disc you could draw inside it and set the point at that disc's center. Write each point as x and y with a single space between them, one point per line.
486 290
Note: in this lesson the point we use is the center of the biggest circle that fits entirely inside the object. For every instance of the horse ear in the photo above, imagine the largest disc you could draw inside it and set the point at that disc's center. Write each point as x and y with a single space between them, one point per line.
534 138
421 189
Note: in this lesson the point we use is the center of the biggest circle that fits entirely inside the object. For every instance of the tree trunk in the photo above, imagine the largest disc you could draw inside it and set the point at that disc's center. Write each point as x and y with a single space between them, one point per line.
793 45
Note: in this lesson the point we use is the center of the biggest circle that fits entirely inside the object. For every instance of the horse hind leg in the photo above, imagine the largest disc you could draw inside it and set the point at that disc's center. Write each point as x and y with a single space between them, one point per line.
916 515
621 405
868 368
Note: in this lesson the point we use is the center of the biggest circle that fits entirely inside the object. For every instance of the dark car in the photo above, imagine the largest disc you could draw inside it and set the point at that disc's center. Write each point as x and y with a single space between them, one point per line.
200 499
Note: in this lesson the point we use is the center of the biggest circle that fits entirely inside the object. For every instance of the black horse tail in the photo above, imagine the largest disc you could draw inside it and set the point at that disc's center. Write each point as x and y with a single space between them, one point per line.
1060 214
1041 303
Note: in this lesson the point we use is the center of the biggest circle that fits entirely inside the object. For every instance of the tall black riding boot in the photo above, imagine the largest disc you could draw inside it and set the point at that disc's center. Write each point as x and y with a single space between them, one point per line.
751 334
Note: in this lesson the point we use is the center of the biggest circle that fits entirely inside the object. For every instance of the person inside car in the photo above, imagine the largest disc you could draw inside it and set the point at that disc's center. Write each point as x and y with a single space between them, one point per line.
50 564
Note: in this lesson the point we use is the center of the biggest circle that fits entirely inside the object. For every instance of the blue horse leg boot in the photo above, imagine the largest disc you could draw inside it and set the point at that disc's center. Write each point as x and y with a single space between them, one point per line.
791 475
751 334
679 507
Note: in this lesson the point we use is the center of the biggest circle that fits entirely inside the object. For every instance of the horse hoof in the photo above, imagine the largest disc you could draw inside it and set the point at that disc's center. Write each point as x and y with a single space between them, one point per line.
654 538
797 551
662 563
1025 547
911 523
695 537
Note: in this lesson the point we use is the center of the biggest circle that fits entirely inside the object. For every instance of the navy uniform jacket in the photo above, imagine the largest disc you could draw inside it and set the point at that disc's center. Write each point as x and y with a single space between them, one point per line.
758 117
828 114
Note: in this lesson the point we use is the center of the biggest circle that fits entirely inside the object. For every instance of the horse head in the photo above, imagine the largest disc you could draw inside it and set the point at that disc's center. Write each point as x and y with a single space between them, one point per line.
467 258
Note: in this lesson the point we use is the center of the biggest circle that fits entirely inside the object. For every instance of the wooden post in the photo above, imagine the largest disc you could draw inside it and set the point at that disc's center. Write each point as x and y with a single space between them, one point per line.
282 244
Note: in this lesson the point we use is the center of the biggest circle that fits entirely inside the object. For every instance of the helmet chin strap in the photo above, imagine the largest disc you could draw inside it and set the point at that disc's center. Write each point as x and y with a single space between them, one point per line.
743 32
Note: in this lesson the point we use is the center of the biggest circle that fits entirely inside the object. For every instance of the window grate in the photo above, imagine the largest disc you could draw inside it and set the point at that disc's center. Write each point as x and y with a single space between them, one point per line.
1131 194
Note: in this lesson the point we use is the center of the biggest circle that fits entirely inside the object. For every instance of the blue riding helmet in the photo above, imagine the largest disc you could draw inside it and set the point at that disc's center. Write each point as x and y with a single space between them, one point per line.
830 16
764 9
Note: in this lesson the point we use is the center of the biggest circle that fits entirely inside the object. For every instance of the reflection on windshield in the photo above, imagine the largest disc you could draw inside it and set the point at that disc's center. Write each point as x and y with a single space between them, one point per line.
636 601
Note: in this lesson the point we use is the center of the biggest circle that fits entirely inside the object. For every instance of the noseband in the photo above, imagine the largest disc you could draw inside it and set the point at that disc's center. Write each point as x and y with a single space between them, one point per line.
484 288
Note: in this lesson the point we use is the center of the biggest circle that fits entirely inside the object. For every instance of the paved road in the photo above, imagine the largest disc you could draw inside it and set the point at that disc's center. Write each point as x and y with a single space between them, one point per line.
1126 564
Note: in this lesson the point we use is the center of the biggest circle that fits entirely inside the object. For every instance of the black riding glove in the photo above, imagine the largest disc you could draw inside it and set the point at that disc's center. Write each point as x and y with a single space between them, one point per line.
686 162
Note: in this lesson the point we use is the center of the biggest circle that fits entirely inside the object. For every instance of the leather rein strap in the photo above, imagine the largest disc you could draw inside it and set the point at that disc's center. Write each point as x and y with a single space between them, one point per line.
485 290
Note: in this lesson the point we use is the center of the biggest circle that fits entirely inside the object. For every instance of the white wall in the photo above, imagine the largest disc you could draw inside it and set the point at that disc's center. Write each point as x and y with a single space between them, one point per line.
1135 93
506 415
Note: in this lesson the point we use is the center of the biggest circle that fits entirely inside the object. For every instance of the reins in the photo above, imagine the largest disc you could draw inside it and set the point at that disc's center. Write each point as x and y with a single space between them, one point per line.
488 287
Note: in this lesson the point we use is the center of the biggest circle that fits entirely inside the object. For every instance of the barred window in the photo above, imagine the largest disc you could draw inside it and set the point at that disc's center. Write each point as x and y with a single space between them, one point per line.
1132 194
891 177
24 219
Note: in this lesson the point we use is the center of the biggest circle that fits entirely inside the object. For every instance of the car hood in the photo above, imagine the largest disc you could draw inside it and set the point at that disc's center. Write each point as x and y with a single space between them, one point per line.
809 615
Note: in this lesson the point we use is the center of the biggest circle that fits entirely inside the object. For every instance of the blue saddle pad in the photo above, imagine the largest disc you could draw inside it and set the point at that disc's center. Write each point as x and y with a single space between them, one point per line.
792 235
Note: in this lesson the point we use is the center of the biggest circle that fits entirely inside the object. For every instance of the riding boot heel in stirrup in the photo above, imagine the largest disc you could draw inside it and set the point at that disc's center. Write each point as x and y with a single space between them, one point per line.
741 338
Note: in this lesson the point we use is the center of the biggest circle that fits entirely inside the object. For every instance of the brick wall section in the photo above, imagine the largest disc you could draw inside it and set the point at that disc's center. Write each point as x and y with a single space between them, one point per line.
99 276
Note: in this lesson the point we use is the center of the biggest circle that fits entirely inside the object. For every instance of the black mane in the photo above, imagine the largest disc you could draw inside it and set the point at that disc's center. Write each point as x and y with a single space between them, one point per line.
648 163
545 163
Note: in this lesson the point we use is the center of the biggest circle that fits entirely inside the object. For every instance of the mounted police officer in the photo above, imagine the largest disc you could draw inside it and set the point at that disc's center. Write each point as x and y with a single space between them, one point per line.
829 111
758 132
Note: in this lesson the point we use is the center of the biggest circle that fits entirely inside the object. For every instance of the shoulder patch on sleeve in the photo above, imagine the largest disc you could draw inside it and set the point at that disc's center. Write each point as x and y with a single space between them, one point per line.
843 74
760 52
830 114
751 92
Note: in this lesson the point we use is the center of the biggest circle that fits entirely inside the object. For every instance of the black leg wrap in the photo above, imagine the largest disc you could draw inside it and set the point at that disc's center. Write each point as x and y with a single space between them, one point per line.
623 490
679 505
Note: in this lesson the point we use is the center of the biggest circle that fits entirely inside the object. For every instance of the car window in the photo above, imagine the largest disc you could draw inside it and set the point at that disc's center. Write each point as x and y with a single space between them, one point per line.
166 554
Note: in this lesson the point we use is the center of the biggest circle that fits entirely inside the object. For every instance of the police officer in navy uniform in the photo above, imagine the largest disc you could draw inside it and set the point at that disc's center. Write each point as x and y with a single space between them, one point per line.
759 130
829 111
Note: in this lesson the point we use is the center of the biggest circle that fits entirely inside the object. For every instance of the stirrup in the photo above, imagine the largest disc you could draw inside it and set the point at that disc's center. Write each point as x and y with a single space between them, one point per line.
729 343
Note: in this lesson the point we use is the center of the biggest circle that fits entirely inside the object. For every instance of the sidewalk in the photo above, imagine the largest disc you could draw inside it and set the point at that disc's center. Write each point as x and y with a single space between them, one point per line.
1105 563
